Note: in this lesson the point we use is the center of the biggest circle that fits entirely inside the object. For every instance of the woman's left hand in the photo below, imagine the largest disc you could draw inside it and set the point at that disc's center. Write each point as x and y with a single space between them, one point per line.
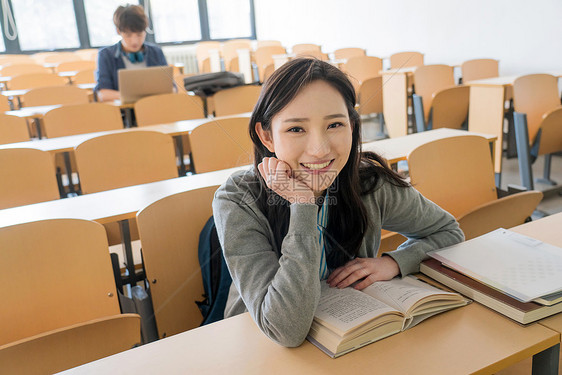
368 270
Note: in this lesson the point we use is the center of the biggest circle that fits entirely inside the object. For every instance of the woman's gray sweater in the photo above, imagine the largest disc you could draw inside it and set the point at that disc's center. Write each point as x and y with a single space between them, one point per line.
281 294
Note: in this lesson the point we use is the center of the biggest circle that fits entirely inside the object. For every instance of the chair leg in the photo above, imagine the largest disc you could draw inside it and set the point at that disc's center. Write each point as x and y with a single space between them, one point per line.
524 156
546 173
418 113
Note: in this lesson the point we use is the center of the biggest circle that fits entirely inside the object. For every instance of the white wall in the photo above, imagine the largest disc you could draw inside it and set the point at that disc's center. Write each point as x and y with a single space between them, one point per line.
525 36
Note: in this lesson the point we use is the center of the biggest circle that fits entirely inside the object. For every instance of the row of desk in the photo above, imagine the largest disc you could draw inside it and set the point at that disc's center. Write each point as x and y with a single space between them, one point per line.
468 340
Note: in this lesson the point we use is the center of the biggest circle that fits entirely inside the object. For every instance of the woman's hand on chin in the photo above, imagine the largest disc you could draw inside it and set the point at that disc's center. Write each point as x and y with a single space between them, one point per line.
278 176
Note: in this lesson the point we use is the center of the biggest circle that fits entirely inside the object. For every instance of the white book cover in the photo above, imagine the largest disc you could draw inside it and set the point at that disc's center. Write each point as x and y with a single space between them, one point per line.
520 266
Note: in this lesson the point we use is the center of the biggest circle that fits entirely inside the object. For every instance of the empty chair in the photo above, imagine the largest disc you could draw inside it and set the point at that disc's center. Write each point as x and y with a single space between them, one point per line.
123 159
163 108
28 176
54 95
229 50
264 57
56 273
84 76
428 80
60 57
174 223
267 43
449 109
17 69
370 96
361 68
34 80
16 59
479 69
81 118
457 174
347 53
4 104
75 65
236 100
305 47
202 53
13 129
220 144
405 59
87 54
71 346
538 123
313 54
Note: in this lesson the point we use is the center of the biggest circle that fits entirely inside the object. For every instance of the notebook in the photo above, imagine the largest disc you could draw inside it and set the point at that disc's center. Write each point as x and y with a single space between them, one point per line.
520 266
135 84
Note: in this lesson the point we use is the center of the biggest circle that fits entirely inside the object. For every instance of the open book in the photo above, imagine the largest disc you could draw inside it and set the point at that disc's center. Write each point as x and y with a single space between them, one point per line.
347 319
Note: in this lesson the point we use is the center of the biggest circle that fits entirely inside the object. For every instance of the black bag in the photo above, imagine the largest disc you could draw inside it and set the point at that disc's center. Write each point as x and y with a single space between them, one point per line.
216 277
209 83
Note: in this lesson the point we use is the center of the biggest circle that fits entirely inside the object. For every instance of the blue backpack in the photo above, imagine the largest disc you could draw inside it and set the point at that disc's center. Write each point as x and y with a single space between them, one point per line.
216 277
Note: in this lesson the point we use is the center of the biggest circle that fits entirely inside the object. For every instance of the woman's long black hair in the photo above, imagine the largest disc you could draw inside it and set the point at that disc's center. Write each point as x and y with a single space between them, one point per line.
347 218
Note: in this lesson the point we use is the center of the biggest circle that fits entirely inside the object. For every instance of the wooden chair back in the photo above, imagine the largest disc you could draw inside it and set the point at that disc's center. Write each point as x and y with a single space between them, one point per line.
268 71
72 346
229 50
179 81
169 231
406 59
362 68
236 100
4 104
479 69
34 80
313 54
55 95
370 96
13 129
123 159
90 54
84 76
60 57
305 47
347 53
267 43
535 95
507 212
220 144
202 53
16 59
17 69
456 173
429 79
551 132
68 66
450 107
264 57
28 176
163 108
56 273
82 118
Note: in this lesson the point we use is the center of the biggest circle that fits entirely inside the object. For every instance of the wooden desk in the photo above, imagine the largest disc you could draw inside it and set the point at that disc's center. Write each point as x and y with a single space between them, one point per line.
470 339
397 149
32 112
110 206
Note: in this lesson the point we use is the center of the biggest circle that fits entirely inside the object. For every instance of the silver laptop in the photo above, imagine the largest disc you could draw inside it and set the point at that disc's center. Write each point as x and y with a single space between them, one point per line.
138 83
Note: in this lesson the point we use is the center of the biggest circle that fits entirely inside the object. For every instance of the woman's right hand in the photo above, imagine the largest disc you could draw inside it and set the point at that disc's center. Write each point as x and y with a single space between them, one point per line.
279 177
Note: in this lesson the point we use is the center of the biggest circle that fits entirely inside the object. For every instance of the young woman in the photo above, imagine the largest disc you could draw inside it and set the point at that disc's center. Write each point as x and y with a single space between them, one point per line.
314 205
131 52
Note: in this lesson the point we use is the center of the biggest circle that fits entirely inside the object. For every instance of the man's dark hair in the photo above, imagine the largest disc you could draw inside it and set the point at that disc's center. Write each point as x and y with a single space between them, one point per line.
130 18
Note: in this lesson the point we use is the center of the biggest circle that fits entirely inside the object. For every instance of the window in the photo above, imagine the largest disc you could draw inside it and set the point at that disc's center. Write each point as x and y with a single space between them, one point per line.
175 21
222 13
99 15
45 24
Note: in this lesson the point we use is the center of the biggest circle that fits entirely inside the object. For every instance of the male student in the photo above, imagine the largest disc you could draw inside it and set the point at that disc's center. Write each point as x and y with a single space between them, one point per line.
131 52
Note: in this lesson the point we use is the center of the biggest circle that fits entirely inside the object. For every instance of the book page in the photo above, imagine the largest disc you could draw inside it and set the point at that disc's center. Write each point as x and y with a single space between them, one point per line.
402 294
344 309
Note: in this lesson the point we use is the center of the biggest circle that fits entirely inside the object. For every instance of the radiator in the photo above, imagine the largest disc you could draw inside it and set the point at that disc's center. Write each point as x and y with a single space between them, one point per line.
184 54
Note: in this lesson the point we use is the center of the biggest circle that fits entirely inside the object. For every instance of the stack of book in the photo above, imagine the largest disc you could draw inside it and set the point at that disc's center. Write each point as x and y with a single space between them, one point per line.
516 275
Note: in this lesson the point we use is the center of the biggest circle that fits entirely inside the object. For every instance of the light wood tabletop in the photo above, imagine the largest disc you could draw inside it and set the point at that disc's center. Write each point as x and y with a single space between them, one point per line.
468 340
397 149
32 112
